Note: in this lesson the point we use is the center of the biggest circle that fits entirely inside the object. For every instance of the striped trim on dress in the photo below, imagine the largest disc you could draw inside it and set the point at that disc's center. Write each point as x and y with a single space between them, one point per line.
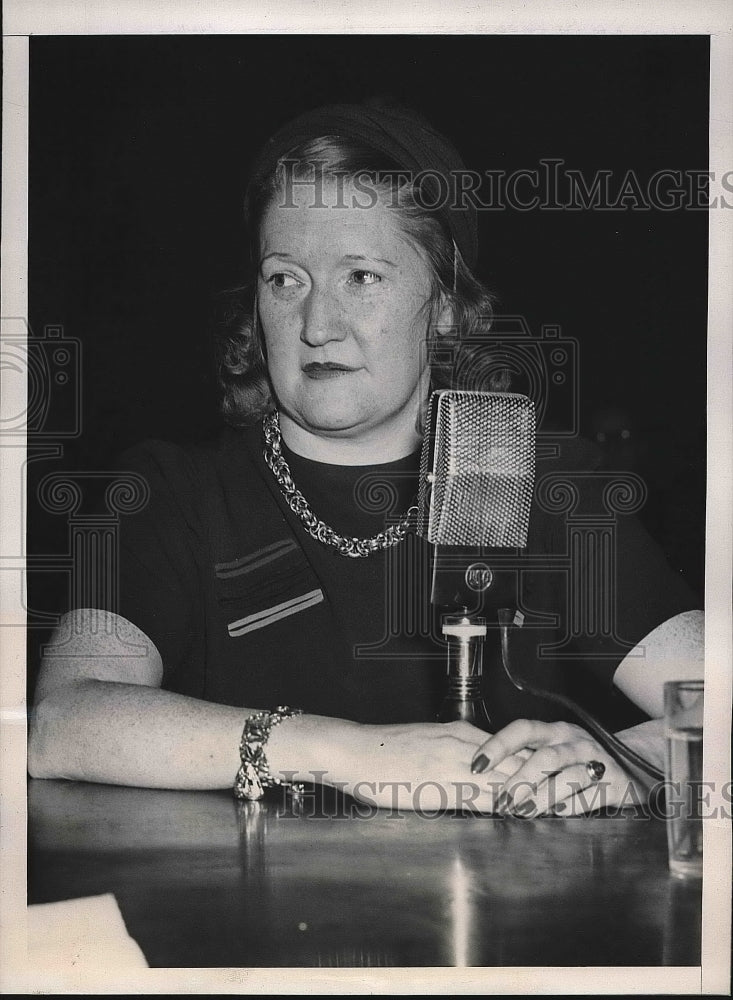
275 613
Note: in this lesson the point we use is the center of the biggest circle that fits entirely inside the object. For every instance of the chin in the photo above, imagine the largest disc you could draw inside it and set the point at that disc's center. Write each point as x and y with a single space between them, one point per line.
332 418
331 408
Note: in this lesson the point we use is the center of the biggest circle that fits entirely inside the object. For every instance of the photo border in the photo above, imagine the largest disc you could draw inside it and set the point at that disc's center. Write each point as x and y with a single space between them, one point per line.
23 18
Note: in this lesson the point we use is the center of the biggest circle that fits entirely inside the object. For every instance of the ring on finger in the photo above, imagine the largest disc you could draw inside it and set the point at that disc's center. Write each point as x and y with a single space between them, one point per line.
596 769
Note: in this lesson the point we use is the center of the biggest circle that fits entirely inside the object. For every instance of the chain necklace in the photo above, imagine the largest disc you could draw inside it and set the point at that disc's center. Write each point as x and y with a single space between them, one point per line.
356 548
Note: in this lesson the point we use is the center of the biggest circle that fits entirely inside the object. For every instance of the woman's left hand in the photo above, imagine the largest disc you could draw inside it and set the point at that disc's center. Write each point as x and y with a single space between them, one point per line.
568 773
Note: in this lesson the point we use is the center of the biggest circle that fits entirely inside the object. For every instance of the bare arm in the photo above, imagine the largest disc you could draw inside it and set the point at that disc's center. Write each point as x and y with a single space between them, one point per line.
674 651
101 715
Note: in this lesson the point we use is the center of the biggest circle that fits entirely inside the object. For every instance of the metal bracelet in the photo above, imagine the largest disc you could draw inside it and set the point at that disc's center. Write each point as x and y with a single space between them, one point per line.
254 776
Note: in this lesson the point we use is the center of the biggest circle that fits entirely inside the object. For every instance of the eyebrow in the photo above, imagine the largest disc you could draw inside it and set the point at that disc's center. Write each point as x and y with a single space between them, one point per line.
349 256
359 257
276 253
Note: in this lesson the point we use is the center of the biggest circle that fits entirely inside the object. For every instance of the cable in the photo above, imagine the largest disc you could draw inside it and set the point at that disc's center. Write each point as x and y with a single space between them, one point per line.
614 746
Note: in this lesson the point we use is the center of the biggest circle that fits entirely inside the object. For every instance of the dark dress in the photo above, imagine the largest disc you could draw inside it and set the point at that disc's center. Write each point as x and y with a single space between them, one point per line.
247 609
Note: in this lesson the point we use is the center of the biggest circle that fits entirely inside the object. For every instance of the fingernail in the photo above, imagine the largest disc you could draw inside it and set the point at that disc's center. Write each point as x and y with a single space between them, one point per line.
504 802
559 807
524 808
480 764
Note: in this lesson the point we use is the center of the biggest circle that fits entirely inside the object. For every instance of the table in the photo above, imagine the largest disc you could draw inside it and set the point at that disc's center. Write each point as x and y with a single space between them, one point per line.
203 881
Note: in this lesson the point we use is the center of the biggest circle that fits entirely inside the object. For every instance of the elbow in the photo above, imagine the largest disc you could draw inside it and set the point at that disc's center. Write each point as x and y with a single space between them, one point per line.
47 755
40 743
59 744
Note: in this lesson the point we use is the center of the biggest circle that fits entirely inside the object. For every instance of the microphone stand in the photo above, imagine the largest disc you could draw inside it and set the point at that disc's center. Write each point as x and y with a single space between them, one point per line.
464 698
479 492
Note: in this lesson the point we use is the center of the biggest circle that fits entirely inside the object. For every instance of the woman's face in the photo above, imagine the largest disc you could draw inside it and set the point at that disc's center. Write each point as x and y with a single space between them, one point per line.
344 304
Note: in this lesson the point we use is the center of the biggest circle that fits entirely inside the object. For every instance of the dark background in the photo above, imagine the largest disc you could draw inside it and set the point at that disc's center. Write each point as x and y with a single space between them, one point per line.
139 148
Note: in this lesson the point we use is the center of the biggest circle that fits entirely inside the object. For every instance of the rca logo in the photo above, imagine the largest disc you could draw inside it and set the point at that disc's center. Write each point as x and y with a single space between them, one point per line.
478 577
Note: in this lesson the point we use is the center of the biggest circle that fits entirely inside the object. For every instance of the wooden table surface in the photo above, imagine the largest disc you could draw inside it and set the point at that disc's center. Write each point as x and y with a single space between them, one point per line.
204 882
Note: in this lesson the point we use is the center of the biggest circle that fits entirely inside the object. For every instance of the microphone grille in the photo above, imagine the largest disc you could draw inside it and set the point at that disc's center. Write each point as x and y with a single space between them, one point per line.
477 469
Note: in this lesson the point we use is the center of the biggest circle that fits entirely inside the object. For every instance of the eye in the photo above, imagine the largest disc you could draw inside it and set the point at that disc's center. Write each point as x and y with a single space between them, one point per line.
282 280
364 277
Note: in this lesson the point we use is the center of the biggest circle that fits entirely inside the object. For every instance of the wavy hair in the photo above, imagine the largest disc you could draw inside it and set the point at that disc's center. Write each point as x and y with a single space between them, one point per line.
458 356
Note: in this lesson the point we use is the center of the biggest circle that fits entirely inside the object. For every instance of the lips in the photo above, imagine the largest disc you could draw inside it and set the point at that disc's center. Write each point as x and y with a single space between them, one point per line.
325 369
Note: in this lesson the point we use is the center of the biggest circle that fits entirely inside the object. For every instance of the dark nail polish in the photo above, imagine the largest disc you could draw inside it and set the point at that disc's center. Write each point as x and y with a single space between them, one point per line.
480 764
525 808
504 802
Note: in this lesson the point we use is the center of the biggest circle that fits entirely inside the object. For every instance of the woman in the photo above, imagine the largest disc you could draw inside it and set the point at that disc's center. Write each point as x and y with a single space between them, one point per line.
230 597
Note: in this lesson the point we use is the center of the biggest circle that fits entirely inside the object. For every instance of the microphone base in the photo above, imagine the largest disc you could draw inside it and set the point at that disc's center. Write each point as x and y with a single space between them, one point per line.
473 710
464 697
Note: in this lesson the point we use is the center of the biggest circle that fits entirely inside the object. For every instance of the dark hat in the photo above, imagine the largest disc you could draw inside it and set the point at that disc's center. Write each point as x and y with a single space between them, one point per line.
400 134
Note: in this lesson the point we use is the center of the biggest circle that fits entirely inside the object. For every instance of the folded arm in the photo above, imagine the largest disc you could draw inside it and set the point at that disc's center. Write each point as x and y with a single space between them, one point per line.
101 715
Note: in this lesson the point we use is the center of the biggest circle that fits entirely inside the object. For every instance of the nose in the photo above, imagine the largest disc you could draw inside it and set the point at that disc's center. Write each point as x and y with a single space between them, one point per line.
322 320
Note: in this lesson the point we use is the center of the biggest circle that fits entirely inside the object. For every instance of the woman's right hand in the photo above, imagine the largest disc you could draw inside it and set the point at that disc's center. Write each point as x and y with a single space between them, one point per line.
100 715
410 767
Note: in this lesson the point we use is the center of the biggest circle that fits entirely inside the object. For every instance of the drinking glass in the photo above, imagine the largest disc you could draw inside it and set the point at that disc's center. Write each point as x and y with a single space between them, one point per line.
683 714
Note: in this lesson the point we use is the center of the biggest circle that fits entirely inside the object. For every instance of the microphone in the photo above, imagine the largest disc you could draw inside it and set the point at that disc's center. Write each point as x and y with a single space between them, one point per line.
476 480
477 469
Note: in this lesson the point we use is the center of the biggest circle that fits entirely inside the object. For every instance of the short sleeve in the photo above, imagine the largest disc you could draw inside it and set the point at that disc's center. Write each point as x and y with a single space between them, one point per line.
155 579
604 579
648 590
